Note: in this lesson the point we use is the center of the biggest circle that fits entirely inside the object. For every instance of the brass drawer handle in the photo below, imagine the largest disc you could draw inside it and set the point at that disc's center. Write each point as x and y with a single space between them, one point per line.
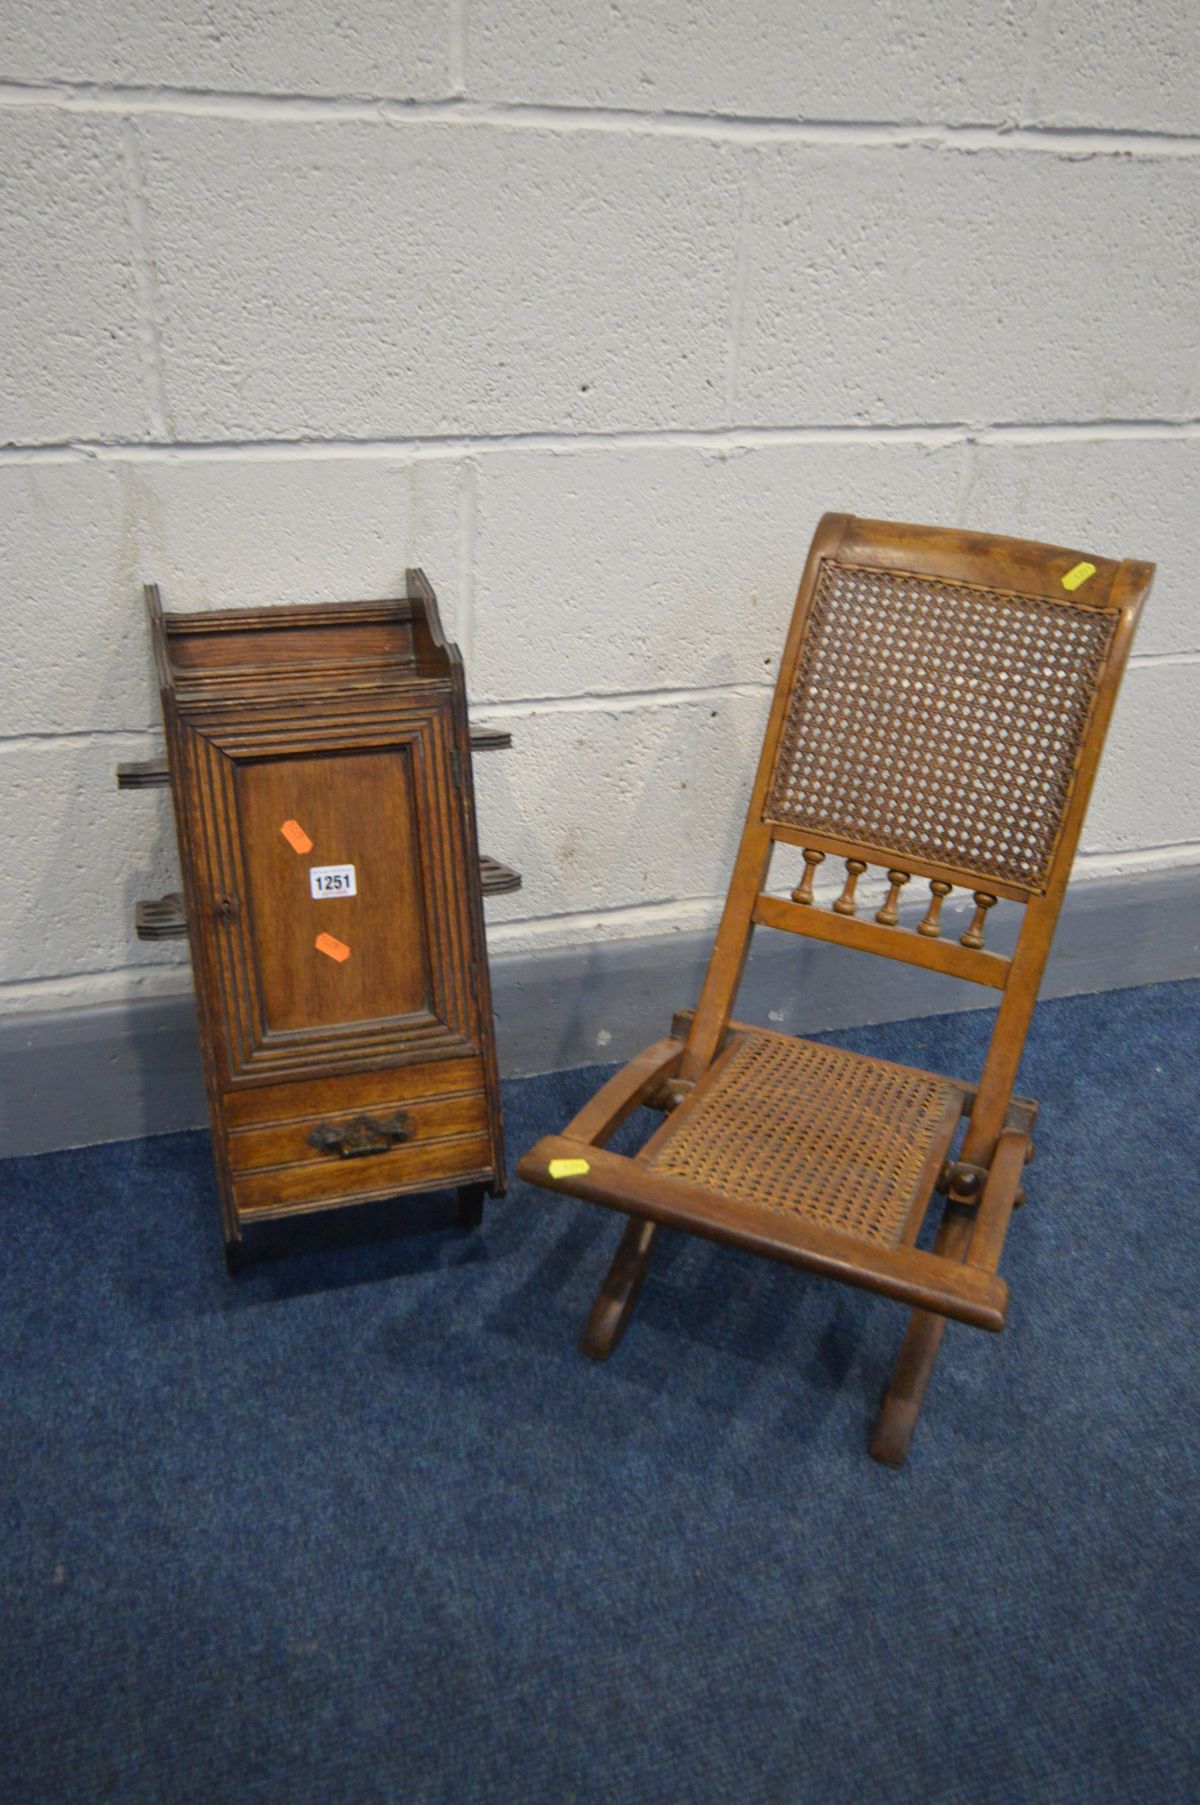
363 1135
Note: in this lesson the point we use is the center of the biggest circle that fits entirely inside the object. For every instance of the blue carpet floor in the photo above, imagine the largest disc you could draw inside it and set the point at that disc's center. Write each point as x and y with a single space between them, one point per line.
361 1525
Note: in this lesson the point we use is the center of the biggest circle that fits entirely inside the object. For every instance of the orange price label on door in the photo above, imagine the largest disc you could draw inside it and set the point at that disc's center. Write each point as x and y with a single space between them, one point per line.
332 947
296 837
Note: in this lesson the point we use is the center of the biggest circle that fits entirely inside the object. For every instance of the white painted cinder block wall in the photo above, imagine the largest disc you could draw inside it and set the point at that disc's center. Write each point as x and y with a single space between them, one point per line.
591 310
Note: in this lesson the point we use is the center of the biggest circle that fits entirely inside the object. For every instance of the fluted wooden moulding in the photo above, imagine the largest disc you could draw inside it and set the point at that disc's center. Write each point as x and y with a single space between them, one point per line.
319 760
940 710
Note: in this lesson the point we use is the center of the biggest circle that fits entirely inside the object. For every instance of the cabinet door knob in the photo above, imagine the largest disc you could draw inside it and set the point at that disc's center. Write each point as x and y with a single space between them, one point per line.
361 1136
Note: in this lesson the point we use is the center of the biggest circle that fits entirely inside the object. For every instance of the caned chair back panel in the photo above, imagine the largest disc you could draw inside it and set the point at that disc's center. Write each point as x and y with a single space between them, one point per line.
938 720
940 709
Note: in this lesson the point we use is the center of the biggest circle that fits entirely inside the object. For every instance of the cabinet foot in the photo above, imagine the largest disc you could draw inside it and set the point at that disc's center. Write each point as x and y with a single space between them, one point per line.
470 1205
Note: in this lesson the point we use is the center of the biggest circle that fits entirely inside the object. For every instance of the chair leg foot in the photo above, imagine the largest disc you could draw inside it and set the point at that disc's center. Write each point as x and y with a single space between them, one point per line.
612 1308
902 1402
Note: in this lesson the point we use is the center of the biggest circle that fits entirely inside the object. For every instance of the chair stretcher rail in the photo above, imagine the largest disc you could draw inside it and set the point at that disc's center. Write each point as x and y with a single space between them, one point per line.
896 943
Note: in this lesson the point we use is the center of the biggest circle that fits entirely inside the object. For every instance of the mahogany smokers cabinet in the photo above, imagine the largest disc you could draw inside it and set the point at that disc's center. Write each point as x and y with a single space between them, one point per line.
319 759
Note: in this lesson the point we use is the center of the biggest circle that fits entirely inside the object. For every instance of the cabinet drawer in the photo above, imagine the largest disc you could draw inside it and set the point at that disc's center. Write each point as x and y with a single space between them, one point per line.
414 1166
287 1143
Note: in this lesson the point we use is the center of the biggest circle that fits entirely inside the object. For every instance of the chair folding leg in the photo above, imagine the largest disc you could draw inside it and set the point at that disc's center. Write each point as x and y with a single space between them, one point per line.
613 1306
902 1402
965 1233
901 1406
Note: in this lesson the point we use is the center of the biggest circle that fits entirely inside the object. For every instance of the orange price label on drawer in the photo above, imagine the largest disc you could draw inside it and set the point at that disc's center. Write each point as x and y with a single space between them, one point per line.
1078 575
296 837
332 947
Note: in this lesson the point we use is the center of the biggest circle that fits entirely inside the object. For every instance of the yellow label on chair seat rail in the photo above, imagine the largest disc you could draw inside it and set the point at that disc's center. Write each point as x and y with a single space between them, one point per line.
568 1168
1078 575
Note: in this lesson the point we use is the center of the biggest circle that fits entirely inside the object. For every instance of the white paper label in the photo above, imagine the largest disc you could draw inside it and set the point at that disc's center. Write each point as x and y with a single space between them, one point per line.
325 881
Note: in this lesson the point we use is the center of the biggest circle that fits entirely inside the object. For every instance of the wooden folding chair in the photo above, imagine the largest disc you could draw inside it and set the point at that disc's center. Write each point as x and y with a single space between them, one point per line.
940 711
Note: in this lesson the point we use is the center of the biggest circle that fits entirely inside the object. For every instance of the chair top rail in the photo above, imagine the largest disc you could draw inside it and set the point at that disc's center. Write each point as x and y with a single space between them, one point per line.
987 561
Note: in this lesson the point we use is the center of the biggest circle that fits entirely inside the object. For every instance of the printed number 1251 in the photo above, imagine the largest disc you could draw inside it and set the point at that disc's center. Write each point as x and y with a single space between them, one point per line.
325 881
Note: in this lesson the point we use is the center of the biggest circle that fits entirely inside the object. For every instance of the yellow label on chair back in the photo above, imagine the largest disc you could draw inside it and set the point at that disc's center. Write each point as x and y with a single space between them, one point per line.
568 1168
1078 575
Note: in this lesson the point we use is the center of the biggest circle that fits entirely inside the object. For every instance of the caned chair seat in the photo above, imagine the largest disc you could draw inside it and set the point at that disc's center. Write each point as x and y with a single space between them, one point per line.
790 1128
940 710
